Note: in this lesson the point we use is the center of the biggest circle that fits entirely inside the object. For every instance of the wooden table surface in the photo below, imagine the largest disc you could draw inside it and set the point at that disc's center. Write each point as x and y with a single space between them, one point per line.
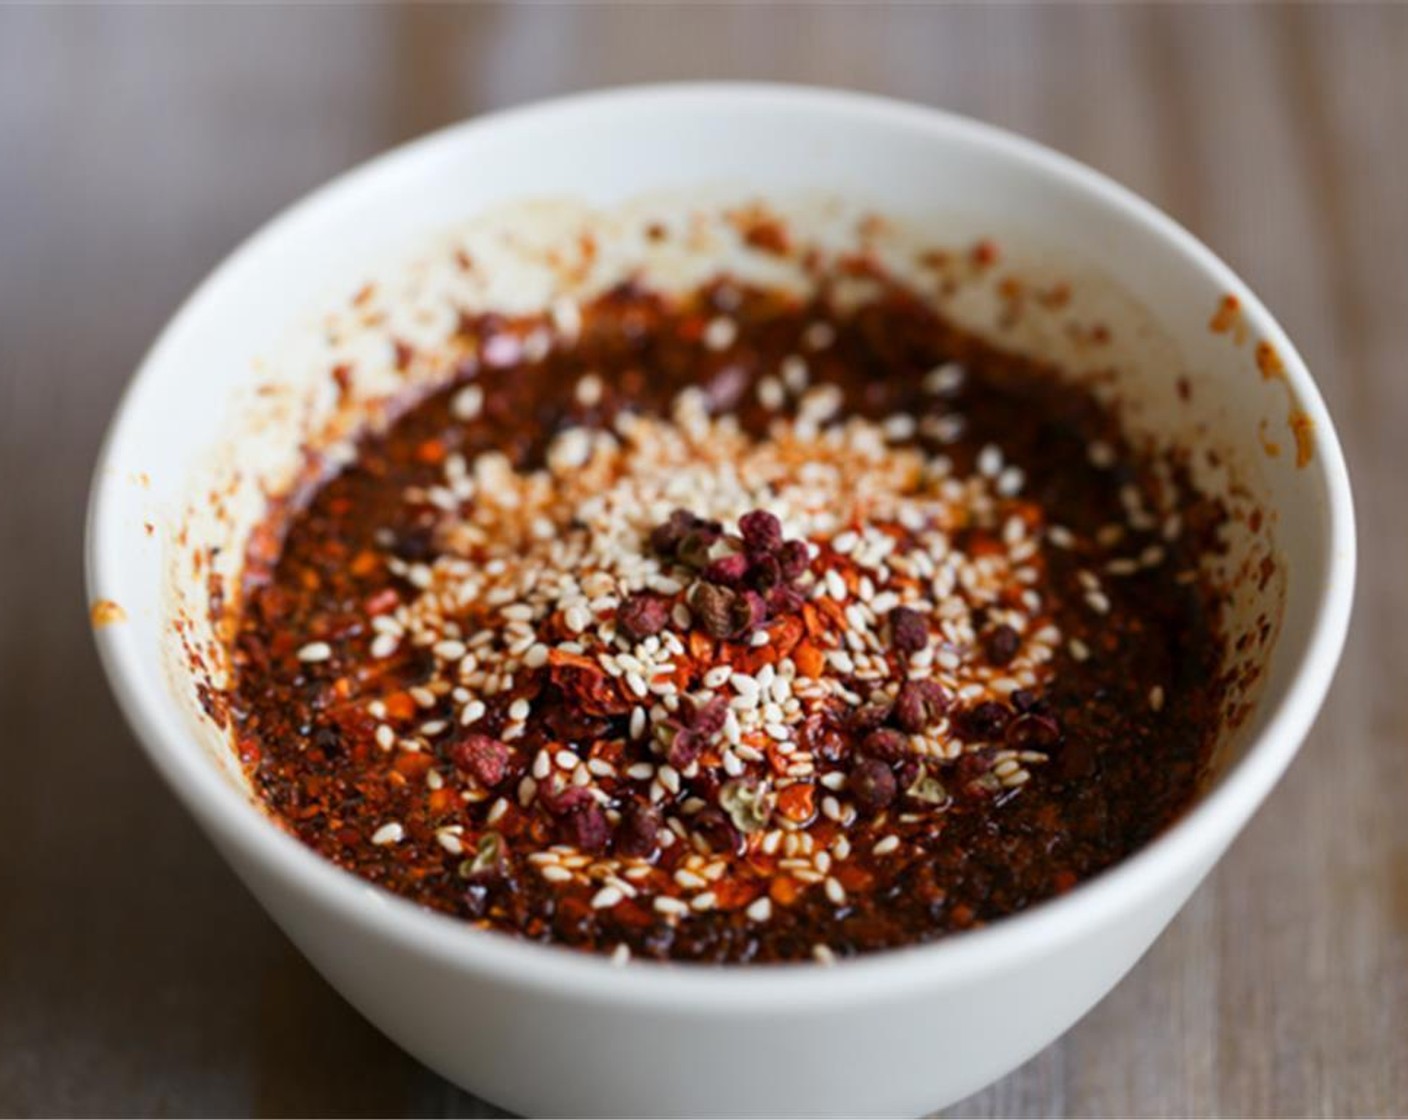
137 146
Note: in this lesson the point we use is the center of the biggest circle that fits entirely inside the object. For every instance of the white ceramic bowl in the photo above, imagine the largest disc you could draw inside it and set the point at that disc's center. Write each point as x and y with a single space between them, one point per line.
541 1030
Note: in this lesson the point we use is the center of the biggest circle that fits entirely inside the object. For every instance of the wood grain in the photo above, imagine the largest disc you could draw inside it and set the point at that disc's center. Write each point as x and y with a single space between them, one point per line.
137 146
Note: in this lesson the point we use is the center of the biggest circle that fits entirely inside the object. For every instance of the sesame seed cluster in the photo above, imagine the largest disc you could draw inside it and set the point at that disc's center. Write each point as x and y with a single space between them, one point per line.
769 638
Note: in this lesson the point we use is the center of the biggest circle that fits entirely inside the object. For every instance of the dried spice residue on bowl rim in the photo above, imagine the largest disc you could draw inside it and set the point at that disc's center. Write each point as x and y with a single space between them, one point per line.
734 627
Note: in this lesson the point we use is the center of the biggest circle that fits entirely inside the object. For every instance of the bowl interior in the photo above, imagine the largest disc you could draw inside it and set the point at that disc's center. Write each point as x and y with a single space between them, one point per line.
241 380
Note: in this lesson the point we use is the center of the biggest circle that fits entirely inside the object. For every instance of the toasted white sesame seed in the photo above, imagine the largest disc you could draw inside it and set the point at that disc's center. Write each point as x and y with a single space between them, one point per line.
944 379
390 833
835 585
467 403
899 427
1010 481
823 954
717 676
384 645
1156 698
720 333
569 450
794 372
589 390
606 898
771 394
760 909
315 651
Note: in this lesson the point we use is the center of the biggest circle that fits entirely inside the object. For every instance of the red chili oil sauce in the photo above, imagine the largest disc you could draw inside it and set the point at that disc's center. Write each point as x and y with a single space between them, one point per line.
734 627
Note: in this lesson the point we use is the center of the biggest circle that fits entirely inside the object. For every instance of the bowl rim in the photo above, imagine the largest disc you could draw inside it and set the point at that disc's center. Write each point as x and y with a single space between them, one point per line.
235 820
